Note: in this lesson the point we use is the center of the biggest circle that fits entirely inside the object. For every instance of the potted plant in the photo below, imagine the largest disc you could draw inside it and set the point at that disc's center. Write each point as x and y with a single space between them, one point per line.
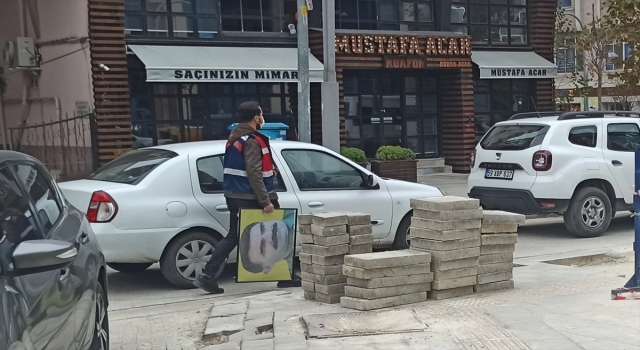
396 162
355 155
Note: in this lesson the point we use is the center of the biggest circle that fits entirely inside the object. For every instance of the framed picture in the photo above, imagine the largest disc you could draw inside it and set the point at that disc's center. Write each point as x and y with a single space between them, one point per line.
266 245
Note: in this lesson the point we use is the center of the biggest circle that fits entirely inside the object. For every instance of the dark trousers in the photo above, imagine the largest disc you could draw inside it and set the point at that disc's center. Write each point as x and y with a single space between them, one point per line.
227 244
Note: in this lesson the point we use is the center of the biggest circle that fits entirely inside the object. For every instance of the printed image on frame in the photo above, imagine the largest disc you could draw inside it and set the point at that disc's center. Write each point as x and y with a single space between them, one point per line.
266 245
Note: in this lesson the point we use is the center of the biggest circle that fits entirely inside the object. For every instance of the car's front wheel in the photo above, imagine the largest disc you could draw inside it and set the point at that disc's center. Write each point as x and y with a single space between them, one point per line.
186 256
101 324
403 234
589 213
129 268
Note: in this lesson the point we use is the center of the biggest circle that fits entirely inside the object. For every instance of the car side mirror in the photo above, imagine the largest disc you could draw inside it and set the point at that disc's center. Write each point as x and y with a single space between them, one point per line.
42 255
371 182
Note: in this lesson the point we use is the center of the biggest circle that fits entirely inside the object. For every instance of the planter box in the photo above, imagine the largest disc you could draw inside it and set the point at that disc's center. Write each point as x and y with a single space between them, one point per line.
406 170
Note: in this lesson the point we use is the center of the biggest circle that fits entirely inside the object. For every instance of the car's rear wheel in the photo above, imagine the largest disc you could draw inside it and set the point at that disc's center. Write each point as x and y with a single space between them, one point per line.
101 324
129 268
186 256
589 213
403 234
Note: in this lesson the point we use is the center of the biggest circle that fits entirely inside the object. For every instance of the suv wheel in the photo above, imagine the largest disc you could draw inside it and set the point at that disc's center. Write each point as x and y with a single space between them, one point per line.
186 256
589 213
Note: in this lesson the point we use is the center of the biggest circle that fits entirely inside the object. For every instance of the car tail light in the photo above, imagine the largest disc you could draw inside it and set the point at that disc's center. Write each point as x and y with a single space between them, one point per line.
102 208
542 161
472 160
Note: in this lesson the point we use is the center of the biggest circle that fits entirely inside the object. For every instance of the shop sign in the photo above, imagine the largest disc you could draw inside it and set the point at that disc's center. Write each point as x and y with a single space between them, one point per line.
411 63
234 75
403 45
508 73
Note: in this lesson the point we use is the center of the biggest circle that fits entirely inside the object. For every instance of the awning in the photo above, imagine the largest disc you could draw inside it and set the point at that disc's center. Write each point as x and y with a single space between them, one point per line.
172 64
513 65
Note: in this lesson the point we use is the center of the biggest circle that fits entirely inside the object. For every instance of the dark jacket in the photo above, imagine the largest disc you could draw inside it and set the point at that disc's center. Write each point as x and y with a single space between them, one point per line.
253 162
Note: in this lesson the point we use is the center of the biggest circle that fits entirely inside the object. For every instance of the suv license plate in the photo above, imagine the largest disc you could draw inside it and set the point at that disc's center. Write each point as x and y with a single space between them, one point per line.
499 174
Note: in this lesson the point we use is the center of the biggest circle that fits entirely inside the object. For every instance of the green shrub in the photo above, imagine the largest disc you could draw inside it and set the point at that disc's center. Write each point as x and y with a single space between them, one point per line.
354 154
394 153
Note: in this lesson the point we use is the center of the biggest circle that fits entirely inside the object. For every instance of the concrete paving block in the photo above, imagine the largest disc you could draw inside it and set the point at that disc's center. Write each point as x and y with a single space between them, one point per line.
323 279
455 273
237 337
326 231
326 269
495 258
361 239
390 281
360 249
330 219
261 315
306 238
493 286
330 288
290 343
445 203
219 326
445 225
448 215
255 337
360 230
325 251
495 277
392 258
306 229
225 346
309 295
329 298
305 258
497 249
502 217
499 228
495 268
454 264
454 283
263 344
226 310
451 235
306 267
327 260
305 219
357 219
429 244
506 238
357 272
308 286
450 293
331 240
455 254
385 292
367 305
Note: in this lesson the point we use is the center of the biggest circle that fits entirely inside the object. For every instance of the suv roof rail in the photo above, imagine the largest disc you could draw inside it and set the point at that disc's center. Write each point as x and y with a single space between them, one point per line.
535 115
597 114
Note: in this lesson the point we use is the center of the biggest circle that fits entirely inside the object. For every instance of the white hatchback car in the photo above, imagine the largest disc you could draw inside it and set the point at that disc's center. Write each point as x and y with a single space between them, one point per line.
578 164
166 203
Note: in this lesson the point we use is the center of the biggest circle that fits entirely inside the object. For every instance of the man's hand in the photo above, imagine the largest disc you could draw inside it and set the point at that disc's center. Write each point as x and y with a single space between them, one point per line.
269 209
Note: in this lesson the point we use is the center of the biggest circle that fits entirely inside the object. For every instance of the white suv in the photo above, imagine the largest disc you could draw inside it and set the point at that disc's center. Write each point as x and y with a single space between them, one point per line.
579 164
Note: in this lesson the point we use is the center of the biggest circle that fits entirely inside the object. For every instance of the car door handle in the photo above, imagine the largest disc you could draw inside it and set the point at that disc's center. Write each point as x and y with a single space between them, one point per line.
84 238
222 208
64 275
315 204
377 222
616 163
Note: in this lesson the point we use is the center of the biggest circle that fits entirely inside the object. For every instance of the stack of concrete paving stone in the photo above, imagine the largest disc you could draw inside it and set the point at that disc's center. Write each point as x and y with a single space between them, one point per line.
322 256
449 229
499 237
386 279
360 233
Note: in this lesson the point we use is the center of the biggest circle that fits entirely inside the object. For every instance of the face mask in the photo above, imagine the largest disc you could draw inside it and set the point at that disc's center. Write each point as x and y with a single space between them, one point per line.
261 123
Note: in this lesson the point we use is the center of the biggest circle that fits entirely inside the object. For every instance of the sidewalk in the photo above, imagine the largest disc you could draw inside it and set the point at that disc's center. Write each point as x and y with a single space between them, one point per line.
553 307
451 184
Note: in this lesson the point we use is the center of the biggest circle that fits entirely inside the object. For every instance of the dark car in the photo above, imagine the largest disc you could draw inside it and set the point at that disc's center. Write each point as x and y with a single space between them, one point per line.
53 283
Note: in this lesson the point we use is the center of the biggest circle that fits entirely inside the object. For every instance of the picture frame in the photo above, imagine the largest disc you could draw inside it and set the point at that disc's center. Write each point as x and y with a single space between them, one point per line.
266 245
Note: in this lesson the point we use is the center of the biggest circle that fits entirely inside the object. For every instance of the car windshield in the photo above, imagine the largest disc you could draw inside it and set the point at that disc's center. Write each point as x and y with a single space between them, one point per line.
513 137
131 168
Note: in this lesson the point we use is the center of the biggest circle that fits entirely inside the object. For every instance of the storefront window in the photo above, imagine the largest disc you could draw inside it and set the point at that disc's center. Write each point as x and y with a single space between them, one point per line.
496 100
267 16
171 18
385 15
163 113
491 22
395 109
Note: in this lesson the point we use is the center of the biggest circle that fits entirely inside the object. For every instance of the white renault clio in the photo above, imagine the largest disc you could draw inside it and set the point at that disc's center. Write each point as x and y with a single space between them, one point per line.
166 204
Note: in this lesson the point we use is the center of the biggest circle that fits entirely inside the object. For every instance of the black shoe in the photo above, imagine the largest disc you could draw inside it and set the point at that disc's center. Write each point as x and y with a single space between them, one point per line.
208 284
295 282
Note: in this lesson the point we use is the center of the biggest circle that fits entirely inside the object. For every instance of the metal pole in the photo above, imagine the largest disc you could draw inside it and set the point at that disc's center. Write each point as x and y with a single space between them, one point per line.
634 282
304 107
585 96
330 87
5 142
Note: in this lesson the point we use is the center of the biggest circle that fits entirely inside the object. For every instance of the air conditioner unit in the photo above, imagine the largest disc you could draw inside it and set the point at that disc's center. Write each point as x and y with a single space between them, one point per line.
20 53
